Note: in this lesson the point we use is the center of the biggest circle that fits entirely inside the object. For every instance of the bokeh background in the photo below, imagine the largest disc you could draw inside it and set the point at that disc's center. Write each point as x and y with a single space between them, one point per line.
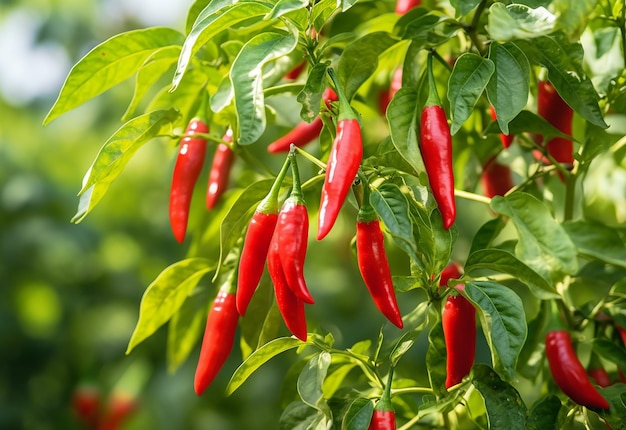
70 294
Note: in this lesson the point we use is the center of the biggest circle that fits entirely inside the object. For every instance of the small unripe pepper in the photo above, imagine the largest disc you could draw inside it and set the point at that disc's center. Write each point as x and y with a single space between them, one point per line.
373 263
436 149
569 373
220 170
257 243
186 171
219 337
343 163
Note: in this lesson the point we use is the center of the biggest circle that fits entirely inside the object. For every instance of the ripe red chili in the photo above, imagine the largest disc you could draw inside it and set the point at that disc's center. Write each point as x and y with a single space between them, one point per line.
600 376
451 271
568 372
256 244
506 139
373 264
459 330
303 133
436 149
496 178
219 337
383 420
553 109
403 6
186 171
220 171
86 405
295 72
343 164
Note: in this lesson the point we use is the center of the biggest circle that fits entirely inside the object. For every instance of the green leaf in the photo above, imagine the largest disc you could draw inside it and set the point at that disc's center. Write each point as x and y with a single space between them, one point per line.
335 378
563 60
262 320
285 6
486 234
543 244
518 21
360 59
345 4
165 296
544 414
502 317
246 75
532 357
436 360
572 17
505 407
311 380
510 84
311 95
529 122
258 358
503 261
149 73
597 241
416 24
299 416
359 415
117 152
418 322
194 11
236 220
392 207
186 327
467 82
610 351
402 118
219 15
109 64
463 7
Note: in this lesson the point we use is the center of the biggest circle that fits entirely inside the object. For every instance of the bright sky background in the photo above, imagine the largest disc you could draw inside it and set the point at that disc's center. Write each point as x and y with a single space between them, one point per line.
31 69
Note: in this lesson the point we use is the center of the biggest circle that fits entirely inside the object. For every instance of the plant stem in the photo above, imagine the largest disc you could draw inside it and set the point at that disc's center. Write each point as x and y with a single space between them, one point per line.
472 196
311 158
410 390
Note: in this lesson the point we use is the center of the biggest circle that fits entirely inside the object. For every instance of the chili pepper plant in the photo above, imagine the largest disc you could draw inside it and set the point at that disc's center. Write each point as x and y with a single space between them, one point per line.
397 193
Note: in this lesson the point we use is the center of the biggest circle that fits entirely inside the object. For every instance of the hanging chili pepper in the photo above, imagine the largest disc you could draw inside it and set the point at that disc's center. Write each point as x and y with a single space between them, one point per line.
373 263
343 163
496 178
568 372
459 329
292 235
403 6
186 171
303 133
506 139
220 170
384 417
257 242
553 109
295 72
219 336
436 149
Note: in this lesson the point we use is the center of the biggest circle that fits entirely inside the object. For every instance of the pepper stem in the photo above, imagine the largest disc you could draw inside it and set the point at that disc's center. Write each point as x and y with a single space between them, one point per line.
384 404
433 96
296 191
229 286
366 211
345 110
269 204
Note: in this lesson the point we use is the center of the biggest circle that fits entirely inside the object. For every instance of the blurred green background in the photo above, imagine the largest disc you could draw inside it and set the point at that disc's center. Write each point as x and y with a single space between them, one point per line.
70 294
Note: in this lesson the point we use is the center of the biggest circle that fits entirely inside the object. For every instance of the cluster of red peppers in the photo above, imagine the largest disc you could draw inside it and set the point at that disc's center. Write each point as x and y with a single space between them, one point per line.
189 162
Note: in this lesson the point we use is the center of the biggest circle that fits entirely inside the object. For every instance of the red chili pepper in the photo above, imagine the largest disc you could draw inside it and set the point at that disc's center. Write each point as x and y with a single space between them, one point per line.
220 171
553 109
403 6
600 375
459 330
451 271
506 139
568 372
343 164
86 405
186 171
295 72
118 409
384 417
496 179
291 308
219 337
304 132
436 149
292 235
395 85
256 244
373 263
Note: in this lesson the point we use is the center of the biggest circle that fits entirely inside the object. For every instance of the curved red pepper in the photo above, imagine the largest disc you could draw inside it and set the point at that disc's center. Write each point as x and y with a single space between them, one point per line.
257 243
303 133
403 6
553 109
186 171
291 308
459 330
374 266
506 139
219 338
220 171
436 150
568 372
383 420
496 178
